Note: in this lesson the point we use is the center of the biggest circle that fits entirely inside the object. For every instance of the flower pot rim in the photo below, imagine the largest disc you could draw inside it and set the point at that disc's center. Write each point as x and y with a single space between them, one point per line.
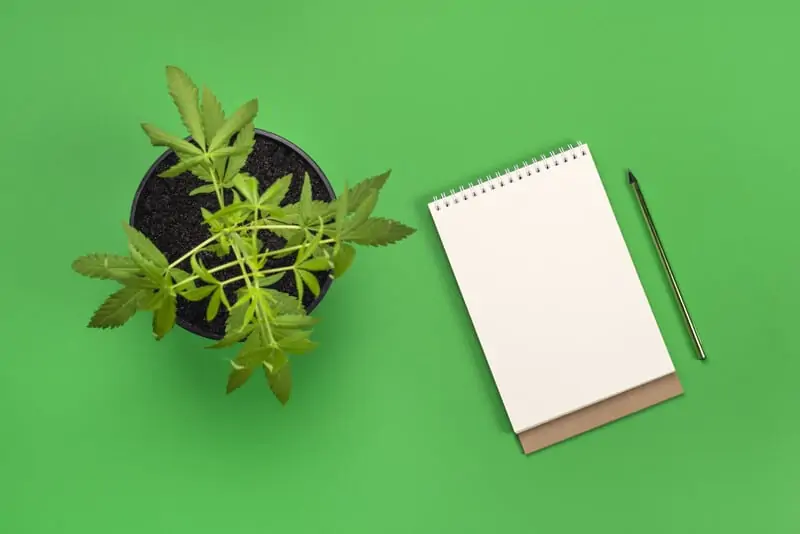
150 174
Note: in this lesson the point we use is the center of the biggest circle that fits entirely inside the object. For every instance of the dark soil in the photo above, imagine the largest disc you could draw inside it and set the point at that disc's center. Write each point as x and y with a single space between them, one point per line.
171 218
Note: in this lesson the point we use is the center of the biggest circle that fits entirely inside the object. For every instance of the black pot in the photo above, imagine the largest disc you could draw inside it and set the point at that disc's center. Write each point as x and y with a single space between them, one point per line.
163 211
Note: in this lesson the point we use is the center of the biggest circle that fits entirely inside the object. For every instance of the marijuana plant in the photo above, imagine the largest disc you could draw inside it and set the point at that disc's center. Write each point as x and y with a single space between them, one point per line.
268 325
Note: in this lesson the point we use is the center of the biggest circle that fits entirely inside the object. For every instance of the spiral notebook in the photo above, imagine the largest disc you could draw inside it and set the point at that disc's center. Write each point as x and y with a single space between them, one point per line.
555 300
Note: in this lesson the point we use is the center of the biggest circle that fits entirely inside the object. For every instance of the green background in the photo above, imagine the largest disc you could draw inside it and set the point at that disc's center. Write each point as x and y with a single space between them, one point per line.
394 424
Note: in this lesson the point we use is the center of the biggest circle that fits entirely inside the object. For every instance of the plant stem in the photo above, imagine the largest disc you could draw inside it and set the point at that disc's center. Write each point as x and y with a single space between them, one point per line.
195 249
258 273
263 323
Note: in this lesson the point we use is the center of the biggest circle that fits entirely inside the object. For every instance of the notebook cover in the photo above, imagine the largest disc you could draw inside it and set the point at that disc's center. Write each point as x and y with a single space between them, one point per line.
602 413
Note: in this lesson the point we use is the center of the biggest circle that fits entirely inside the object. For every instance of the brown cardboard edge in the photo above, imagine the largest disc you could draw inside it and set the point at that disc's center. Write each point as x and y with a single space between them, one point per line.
604 412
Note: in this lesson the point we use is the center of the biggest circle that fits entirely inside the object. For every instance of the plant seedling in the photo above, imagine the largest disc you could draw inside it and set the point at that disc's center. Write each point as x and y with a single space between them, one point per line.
268 325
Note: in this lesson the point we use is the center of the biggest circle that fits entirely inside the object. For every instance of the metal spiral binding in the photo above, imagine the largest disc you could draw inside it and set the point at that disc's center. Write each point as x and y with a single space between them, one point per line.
509 176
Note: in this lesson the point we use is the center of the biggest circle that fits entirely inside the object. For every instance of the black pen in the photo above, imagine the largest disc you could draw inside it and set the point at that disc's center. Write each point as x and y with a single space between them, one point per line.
665 262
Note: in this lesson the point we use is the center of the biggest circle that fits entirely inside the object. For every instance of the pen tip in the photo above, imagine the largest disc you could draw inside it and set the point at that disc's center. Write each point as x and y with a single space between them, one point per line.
631 178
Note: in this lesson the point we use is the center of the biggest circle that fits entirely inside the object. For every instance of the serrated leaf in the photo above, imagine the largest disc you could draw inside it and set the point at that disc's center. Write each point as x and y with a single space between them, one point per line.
284 303
295 321
280 377
342 209
146 248
179 275
159 137
311 281
200 270
363 212
223 297
236 320
305 197
343 259
298 281
213 115
237 378
245 140
140 282
213 306
182 167
248 186
231 339
228 151
311 246
198 293
117 309
378 232
359 192
150 300
276 192
106 266
316 264
185 95
272 279
203 189
164 317
250 312
233 124
298 342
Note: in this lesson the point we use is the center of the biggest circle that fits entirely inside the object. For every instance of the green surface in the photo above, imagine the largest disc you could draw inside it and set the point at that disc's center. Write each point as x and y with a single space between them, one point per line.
395 425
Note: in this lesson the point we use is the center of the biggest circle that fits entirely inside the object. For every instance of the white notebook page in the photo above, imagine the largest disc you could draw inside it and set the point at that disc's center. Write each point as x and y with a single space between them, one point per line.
551 289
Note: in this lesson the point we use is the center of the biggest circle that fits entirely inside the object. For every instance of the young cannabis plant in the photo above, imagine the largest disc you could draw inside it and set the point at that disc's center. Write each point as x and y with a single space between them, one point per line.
267 324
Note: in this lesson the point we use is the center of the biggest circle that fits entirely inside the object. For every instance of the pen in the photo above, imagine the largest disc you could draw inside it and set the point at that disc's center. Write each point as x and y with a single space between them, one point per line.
665 262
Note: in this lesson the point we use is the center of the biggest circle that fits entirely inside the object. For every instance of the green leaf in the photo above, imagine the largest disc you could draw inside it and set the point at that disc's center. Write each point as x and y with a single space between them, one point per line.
311 281
280 378
284 303
276 192
145 247
363 212
164 317
213 306
150 300
231 339
140 282
316 264
159 137
106 266
182 167
305 197
200 270
233 124
213 115
198 293
378 232
295 321
359 193
245 140
179 275
117 308
298 343
298 281
236 320
223 297
272 279
342 207
343 259
228 151
184 93
237 378
203 189
248 186
311 246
